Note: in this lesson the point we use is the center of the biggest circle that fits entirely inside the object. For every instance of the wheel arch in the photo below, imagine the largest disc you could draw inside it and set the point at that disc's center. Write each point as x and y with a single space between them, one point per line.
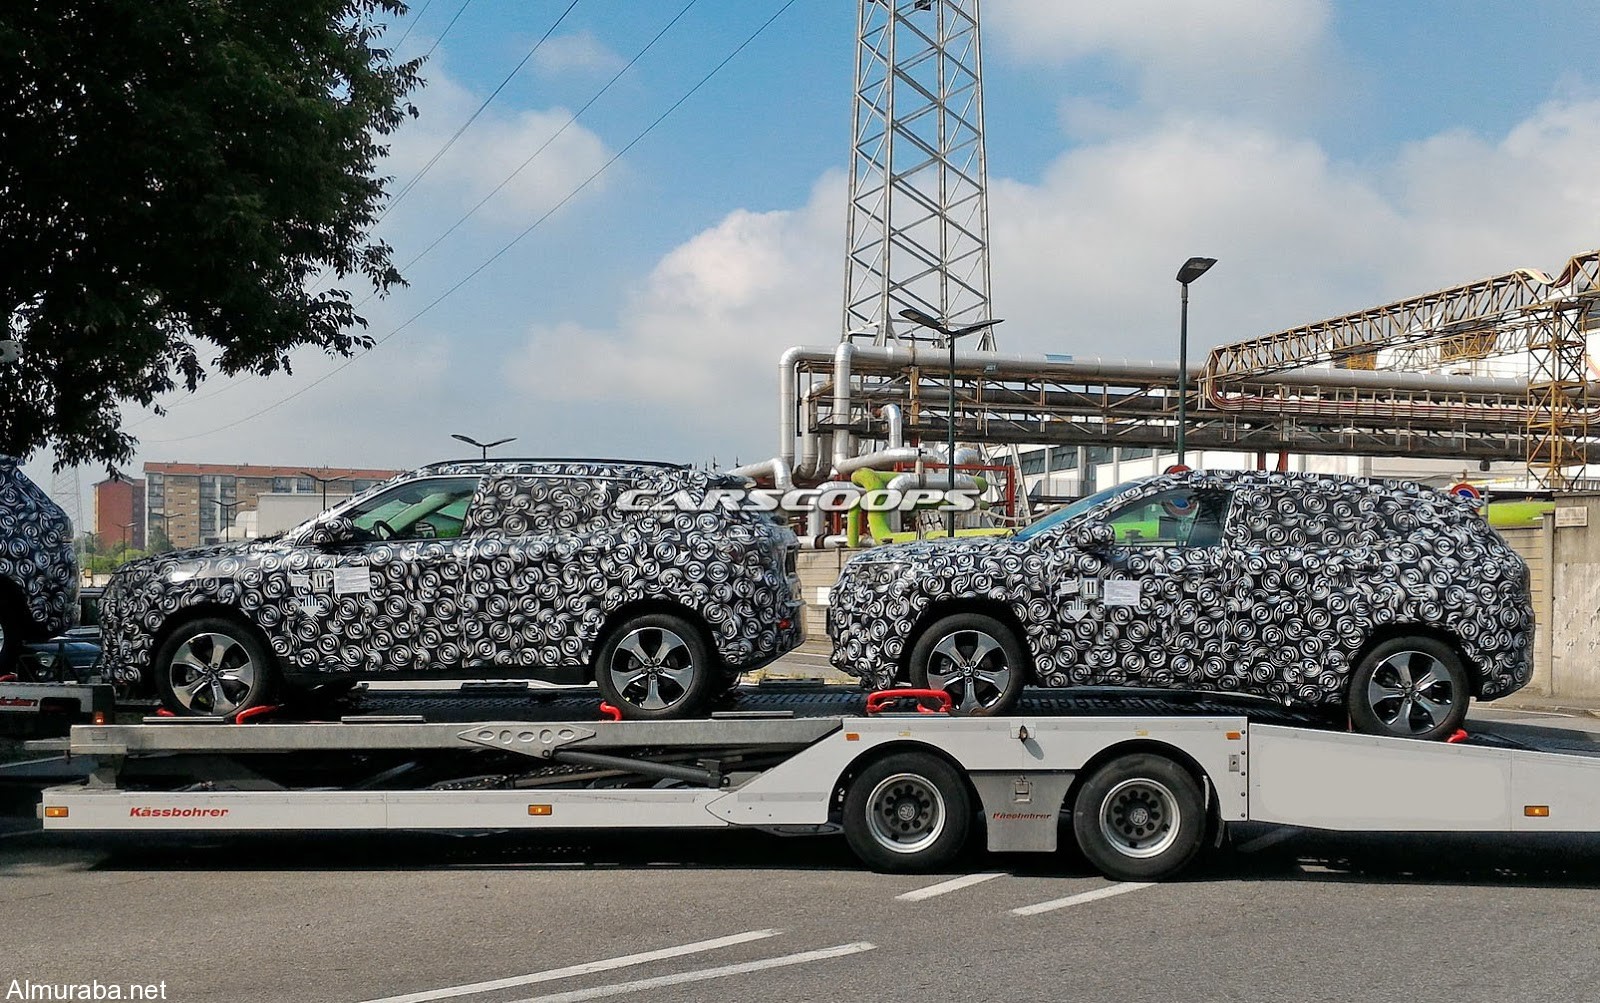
13 594
619 617
941 608
1394 631
203 611
1149 746
872 755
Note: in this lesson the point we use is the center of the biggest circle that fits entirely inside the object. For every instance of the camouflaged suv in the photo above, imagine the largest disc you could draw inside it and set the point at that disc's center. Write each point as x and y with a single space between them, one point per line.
525 569
38 570
1388 600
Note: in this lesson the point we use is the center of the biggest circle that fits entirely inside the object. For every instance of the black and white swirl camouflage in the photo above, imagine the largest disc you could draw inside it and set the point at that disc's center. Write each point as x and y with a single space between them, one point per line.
36 556
544 561
1308 568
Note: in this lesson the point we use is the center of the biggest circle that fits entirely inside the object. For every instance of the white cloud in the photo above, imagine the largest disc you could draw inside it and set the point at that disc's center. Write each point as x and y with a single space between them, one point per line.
1267 58
1084 260
580 52
491 149
701 336
1173 32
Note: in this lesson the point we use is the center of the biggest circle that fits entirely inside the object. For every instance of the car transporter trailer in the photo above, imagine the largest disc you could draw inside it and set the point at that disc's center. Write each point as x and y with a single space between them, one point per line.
1143 792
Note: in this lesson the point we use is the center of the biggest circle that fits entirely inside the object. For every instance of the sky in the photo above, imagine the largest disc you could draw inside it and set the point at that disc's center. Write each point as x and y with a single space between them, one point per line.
683 225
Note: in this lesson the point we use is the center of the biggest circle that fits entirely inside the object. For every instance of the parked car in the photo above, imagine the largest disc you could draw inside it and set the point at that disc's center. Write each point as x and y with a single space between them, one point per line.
38 571
469 569
1390 600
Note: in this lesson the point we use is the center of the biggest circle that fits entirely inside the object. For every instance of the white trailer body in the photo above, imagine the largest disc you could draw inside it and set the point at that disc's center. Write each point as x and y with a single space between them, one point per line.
1019 775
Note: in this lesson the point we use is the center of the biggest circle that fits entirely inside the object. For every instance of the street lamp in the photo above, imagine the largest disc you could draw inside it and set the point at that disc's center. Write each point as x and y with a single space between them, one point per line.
1191 270
227 510
166 525
324 481
485 446
125 527
918 317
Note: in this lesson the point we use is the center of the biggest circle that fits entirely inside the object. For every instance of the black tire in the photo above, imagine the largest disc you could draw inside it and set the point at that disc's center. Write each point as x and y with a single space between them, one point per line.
976 687
909 811
1409 687
657 667
14 621
1140 817
224 669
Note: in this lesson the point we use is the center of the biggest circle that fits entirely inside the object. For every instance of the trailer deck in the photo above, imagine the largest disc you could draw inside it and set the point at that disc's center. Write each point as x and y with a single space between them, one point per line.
1144 780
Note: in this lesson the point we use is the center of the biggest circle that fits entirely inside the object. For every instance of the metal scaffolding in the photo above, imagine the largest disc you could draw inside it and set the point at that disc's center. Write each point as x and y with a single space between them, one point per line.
918 228
1523 314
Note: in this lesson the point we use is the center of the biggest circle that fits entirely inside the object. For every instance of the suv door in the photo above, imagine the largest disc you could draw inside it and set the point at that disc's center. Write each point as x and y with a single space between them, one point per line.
533 575
411 562
1305 562
1164 619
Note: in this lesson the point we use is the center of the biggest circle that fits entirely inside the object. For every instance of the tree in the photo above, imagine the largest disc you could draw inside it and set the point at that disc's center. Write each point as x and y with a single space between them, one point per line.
175 178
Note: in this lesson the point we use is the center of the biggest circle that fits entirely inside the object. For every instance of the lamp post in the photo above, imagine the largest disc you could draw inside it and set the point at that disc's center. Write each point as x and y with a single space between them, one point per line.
166 525
324 482
125 526
485 446
1191 270
924 320
227 511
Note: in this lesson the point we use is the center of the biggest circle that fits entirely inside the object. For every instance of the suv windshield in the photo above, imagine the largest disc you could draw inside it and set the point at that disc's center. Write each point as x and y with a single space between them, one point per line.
1063 515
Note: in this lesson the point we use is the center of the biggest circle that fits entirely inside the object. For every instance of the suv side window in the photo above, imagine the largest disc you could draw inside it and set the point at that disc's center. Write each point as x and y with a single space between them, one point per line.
431 508
539 504
1176 517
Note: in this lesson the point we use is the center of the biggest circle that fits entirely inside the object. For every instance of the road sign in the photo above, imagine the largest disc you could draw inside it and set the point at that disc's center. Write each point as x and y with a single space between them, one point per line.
1466 491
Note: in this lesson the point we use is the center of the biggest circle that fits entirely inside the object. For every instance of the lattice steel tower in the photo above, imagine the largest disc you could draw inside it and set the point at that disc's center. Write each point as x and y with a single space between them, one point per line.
919 210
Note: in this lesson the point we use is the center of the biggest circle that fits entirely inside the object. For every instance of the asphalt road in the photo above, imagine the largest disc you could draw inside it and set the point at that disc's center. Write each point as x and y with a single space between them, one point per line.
1281 915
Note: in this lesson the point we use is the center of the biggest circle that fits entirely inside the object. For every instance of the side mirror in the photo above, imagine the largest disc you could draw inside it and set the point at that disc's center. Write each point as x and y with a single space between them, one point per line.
334 531
1093 537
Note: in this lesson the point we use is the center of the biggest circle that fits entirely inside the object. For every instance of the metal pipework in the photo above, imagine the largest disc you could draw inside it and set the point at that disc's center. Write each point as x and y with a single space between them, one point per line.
774 468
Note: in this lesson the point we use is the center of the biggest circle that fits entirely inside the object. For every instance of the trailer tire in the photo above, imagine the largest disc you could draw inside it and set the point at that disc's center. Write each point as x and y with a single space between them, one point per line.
235 670
1410 687
1140 817
976 659
657 667
909 811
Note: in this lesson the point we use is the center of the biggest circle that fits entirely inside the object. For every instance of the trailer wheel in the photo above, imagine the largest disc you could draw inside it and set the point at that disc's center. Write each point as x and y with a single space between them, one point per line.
1409 687
1140 817
907 812
657 666
213 667
974 658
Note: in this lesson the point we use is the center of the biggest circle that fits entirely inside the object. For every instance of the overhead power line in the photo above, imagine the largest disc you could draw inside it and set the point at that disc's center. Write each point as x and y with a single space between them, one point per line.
411 24
503 250
409 185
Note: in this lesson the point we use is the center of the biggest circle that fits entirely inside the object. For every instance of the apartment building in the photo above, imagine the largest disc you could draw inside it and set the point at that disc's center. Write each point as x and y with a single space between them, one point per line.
200 503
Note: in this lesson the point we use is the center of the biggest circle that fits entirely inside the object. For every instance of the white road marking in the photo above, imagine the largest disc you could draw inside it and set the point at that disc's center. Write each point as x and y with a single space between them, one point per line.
1121 888
704 974
588 968
1272 838
953 885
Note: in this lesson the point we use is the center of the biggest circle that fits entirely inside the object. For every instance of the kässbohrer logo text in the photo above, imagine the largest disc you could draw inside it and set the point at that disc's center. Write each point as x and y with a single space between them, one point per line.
137 812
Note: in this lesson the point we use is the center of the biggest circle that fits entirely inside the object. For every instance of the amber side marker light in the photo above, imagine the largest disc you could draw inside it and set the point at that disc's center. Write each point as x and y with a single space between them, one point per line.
1536 810
1234 736
100 717
852 736
540 809
53 812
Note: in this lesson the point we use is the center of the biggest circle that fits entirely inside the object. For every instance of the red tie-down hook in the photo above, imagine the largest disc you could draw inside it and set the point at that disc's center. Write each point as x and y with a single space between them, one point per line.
880 700
609 713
